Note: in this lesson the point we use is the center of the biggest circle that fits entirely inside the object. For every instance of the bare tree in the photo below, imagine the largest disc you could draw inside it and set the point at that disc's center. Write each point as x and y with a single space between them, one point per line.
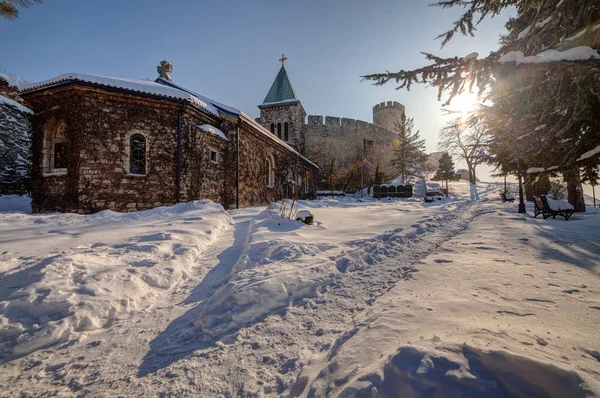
467 141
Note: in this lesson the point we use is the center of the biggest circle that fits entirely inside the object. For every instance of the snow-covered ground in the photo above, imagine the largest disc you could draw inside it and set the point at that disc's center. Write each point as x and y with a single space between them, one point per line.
462 297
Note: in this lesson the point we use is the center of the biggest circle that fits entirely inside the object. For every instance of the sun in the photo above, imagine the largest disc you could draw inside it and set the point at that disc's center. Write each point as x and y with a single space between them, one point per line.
464 104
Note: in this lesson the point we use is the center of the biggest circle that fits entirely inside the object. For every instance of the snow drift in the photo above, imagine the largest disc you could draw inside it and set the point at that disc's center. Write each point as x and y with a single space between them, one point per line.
45 301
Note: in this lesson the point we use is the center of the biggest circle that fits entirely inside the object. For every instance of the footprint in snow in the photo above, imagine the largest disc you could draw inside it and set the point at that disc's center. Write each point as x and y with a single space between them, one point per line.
441 261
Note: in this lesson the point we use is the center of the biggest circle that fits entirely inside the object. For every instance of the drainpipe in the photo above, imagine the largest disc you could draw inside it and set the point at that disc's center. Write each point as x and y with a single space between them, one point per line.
179 117
237 166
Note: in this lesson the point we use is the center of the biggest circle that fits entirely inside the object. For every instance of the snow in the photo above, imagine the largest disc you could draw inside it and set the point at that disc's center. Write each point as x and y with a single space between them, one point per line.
573 54
589 154
12 81
213 130
472 55
538 128
15 203
377 298
142 86
15 105
532 170
524 32
559 204
113 265
543 23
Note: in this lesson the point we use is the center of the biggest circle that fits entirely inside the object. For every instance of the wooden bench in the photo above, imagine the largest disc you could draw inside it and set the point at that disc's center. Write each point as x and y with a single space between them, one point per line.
543 207
507 198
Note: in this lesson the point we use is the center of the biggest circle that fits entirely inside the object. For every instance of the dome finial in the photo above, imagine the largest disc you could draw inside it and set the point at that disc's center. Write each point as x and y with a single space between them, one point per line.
282 59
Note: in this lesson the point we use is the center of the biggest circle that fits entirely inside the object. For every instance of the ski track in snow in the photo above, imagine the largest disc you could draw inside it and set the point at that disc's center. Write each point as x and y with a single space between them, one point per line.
276 317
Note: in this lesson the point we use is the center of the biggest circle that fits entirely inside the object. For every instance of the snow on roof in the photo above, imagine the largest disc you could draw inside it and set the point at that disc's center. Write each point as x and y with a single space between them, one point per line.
213 130
272 136
15 104
287 101
223 107
589 154
580 53
140 86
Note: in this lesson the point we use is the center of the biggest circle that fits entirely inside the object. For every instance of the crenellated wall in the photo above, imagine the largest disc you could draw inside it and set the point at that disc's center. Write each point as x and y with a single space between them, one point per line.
345 142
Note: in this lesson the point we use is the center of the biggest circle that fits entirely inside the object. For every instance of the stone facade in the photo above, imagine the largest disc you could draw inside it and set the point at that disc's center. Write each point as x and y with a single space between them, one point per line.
14 140
346 150
97 125
275 117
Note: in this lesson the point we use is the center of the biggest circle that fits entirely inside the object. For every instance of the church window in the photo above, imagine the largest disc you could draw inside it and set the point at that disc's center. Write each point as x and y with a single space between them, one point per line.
55 150
286 133
137 154
273 128
214 156
270 169
61 155
279 130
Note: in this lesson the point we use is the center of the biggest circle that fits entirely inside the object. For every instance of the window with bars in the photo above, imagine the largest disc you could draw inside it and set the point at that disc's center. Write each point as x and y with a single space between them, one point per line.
137 154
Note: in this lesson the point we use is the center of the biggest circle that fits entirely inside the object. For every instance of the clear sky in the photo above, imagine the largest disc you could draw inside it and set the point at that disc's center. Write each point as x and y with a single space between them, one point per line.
229 50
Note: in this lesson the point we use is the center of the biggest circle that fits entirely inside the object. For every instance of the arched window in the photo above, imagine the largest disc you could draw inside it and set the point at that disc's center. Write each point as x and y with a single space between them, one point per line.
273 128
55 151
286 134
270 172
279 130
137 154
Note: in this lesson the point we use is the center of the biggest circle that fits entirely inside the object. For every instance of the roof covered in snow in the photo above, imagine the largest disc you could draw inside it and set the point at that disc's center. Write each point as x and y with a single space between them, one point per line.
133 85
213 130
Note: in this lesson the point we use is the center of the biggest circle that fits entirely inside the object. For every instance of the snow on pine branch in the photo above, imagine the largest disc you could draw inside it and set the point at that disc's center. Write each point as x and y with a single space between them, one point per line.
580 53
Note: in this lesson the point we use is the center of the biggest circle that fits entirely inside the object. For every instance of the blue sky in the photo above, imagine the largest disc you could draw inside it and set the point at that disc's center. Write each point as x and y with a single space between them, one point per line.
228 50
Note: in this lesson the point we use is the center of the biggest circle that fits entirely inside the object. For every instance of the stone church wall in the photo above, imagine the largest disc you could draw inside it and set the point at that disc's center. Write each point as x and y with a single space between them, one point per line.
345 142
15 140
292 113
99 125
255 148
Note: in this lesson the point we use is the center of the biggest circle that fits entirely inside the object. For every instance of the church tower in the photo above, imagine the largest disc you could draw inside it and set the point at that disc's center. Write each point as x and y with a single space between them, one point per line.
282 112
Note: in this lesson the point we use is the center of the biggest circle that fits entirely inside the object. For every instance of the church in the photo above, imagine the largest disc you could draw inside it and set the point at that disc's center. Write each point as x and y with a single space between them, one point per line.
348 151
103 143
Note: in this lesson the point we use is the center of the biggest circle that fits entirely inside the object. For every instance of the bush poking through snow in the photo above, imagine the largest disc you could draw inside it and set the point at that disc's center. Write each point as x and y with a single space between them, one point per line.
305 216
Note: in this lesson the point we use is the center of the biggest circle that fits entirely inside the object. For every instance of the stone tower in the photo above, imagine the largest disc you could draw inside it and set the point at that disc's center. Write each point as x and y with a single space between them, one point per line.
388 115
282 112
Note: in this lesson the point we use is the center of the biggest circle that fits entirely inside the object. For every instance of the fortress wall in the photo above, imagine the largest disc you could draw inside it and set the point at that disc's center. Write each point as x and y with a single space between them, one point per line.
341 139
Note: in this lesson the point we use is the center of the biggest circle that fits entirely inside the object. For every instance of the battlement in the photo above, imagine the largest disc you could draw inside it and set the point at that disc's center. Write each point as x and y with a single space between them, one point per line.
317 120
388 104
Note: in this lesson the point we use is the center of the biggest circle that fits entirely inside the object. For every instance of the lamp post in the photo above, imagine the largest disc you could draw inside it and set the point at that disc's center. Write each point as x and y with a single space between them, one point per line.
521 201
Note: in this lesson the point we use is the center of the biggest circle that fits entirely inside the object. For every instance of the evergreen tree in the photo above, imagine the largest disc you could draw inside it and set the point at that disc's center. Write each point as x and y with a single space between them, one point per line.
446 170
542 82
591 176
9 9
409 155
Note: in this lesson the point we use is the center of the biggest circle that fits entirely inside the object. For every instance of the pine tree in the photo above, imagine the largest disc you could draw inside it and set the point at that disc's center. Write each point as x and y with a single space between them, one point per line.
543 82
409 155
9 9
446 170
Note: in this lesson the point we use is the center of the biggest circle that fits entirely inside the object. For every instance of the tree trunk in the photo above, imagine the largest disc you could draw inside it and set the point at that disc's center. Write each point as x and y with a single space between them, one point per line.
574 189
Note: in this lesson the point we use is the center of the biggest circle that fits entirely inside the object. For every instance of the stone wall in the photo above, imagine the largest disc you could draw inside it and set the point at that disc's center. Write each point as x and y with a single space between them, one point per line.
388 115
292 113
345 142
15 140
99 125
255 149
